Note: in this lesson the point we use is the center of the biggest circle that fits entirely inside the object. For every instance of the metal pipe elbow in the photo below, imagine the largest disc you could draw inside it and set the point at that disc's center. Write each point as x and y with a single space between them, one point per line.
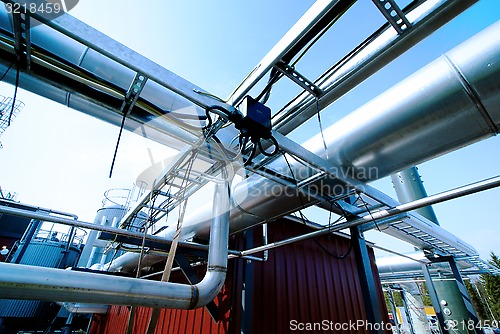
209 287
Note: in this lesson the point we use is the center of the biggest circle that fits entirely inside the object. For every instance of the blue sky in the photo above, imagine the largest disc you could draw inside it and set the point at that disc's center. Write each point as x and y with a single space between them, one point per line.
59 158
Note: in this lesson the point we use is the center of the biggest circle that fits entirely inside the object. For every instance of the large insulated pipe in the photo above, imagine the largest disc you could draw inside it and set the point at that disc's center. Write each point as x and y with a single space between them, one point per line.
410 187
450 103
28 282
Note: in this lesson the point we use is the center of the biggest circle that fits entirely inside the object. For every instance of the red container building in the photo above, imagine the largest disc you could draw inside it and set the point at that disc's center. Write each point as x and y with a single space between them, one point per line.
312 284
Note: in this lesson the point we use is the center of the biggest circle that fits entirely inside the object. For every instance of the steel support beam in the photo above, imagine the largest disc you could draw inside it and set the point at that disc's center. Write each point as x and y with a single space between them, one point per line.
371 297
397 213
382 48
434 299
116 231
297 34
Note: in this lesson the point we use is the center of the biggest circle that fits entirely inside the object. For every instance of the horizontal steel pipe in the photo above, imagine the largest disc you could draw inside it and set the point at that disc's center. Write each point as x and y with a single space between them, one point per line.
30 282
39 209
383 215
101 228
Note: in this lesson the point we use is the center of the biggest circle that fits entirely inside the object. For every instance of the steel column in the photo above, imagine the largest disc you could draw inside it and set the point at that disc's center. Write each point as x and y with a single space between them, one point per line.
394 310
434 298
26 239
465 294
371 297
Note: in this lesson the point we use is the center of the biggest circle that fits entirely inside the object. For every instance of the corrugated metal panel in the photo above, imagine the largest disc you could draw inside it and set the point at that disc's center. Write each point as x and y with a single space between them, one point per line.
299 282
115 321
20 308
48 254
42 254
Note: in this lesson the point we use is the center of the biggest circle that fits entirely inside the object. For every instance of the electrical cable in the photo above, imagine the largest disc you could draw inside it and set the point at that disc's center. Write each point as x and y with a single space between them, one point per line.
6 71
276 147
369 212
225 150
264 95
251 156
274 75
304 218
321 128
257 144
112 258
118 142
215 97
15 93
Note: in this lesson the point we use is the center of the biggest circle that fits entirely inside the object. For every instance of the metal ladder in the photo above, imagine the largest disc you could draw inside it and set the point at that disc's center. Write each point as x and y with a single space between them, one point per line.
177 182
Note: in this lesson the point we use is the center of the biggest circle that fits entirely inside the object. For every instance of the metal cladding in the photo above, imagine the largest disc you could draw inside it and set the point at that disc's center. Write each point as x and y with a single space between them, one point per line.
450 103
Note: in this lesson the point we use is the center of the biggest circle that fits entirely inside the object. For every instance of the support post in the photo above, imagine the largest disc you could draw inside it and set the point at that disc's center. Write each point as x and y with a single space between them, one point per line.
394 310
247 289
434 299
465 296
369 289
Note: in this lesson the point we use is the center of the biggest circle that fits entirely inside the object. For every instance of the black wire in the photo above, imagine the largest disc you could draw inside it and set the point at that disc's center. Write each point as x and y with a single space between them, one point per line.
369 212
15 94
226 152
304 218
6 71
251 156
275 144
118 143
337 257
209 119
113 258
274 76
321 127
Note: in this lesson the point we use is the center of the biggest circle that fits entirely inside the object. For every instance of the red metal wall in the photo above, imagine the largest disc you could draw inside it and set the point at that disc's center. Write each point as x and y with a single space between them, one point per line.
300 282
